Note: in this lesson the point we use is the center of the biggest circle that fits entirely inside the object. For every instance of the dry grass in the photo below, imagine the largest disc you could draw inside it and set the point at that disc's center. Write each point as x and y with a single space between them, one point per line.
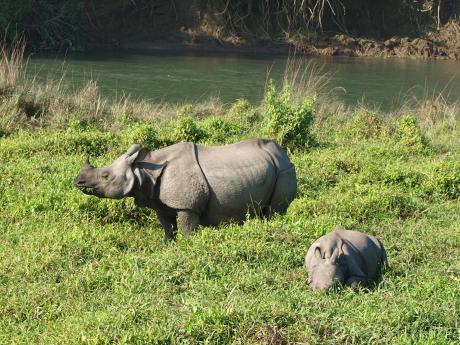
12 63
431 107
305 78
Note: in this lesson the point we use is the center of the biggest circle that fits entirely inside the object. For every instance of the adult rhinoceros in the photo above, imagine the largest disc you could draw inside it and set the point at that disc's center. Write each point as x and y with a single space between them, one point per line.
197 184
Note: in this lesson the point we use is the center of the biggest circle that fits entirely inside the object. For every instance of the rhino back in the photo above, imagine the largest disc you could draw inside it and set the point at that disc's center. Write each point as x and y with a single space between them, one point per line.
279 157
241 179
369 251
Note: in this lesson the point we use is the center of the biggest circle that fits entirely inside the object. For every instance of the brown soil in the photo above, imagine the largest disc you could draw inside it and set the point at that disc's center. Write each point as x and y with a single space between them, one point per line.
439 44
442 44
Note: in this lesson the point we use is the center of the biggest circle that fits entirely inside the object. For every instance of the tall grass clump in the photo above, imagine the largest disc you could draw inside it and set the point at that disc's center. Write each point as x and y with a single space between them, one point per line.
305 78
11 64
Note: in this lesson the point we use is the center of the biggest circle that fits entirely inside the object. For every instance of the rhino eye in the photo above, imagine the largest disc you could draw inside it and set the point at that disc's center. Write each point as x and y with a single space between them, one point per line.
105 175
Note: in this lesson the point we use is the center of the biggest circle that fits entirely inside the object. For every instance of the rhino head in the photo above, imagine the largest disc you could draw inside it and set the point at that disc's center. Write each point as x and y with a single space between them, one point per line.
114 181
327 273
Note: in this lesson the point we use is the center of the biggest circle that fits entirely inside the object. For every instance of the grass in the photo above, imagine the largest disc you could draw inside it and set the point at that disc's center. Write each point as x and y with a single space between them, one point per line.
77 269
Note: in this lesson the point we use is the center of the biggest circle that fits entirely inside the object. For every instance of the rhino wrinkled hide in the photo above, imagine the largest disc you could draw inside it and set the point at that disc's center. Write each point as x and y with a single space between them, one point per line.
197 184
344 257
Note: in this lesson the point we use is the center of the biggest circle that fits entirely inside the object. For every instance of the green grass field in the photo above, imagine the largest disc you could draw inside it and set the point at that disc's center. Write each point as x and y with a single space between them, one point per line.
78 269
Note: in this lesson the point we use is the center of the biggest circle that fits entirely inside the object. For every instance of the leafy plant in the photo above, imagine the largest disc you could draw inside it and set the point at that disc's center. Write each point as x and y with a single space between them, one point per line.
220 130
363 125
409 134
242 112
142 133
187 129
286 121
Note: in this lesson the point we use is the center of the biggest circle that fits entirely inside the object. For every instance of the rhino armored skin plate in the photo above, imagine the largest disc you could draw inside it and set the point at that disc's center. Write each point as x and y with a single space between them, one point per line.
198 185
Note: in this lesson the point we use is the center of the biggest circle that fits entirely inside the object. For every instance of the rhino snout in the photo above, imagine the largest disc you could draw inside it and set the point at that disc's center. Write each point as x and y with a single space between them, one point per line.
325 285
79 182
85 186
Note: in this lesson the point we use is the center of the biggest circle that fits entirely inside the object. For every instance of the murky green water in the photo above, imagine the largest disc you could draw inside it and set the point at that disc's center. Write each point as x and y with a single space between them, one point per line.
185 78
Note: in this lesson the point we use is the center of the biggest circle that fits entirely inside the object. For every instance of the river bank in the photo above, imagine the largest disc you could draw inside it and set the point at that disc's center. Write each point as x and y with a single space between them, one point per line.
436 44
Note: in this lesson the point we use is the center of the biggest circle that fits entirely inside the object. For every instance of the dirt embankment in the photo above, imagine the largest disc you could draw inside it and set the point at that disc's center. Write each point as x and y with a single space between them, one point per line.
440 44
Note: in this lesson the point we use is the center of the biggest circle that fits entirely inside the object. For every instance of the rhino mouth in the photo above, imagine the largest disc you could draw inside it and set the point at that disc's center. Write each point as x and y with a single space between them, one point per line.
87 190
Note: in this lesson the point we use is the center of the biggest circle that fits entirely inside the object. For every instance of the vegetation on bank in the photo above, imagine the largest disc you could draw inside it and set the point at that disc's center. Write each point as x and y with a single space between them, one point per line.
78 269
79 24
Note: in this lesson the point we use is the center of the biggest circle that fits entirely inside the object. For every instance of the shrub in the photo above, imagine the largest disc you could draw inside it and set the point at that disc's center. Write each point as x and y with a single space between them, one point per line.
286 121
242 112
219 130
363 125
92 142
409 134
186 129
142 133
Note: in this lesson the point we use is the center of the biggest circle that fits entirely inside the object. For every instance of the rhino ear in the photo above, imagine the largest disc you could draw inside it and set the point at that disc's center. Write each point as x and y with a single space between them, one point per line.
87 163
132 153
133 149
318 253
335 255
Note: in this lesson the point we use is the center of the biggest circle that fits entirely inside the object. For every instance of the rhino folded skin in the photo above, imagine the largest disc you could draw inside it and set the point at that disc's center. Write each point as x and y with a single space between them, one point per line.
344 257
197 184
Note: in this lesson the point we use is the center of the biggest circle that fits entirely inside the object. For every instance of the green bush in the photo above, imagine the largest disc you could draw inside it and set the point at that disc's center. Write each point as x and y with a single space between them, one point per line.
363 125
286 121
186 129
142 133
242 112
93 142
409 134
47 26
219 130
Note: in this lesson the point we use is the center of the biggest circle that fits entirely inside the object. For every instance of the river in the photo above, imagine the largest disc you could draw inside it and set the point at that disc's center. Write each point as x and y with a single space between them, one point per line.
180 78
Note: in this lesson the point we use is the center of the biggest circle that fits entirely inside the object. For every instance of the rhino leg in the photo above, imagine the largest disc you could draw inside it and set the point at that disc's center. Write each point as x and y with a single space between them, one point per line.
169 224
188 221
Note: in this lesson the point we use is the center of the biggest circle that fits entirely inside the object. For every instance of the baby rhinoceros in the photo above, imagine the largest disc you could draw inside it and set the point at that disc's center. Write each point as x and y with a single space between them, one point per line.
344 256
196 184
